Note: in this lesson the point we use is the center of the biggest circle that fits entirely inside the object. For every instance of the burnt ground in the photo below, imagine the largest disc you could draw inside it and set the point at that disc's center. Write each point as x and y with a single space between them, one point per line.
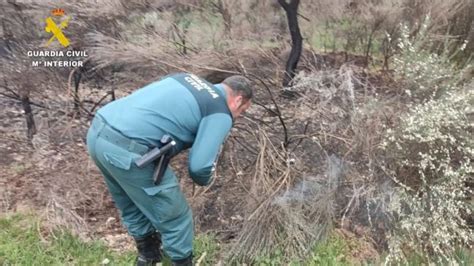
52 174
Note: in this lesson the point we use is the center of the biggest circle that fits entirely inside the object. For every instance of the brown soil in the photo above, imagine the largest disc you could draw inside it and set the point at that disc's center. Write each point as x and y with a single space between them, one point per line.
53 173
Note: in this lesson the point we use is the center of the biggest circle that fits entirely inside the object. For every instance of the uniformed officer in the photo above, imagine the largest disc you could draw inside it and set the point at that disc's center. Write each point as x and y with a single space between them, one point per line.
197 115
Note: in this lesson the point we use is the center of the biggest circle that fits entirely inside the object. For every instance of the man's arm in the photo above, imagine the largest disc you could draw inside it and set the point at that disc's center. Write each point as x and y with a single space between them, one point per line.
210 136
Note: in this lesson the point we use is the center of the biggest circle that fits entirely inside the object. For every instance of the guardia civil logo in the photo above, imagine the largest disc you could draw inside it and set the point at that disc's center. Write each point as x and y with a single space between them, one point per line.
49 54
59 52
55 29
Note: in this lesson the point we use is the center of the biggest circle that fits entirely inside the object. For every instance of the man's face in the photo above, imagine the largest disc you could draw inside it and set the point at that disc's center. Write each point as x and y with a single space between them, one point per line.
238 105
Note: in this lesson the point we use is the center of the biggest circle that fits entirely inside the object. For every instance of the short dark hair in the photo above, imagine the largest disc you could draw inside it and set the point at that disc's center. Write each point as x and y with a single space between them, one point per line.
240 84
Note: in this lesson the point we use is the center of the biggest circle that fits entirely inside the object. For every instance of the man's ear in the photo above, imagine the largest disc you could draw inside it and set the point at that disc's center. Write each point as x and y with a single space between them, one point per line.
239 100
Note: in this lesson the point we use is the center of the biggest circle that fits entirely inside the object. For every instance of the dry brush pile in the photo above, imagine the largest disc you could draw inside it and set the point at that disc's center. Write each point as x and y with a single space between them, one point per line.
372 160
314 164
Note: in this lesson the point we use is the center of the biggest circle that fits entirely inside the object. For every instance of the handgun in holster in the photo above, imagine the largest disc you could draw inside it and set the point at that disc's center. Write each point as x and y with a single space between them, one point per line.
162 154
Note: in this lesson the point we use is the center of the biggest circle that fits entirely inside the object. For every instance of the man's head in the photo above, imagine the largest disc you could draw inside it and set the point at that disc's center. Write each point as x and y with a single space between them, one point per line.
239 94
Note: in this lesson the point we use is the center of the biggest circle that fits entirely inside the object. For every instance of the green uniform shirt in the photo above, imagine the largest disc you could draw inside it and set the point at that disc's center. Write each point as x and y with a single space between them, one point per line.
184 106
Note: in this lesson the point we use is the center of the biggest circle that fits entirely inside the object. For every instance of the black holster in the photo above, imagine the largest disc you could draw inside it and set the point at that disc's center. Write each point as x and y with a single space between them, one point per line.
162 154
161 168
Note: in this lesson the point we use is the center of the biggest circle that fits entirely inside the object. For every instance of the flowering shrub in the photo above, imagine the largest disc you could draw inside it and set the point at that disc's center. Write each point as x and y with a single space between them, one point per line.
430 155
424 74
432 150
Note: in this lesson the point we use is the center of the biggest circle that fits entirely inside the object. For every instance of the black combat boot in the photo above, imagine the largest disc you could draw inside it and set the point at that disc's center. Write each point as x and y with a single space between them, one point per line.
183 262
149 250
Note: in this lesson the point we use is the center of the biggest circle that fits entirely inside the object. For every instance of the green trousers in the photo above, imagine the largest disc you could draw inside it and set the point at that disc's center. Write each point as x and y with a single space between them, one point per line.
144 207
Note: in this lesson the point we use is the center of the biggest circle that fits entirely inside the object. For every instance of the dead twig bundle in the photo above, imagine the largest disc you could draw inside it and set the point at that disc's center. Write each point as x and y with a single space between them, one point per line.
272 172
289 212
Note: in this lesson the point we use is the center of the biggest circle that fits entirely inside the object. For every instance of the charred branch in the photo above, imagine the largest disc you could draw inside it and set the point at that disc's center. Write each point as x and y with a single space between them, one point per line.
30 121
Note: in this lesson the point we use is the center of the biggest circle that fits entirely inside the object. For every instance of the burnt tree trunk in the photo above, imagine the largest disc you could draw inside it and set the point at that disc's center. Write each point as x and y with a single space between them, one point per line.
30 121
291 10
77 81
